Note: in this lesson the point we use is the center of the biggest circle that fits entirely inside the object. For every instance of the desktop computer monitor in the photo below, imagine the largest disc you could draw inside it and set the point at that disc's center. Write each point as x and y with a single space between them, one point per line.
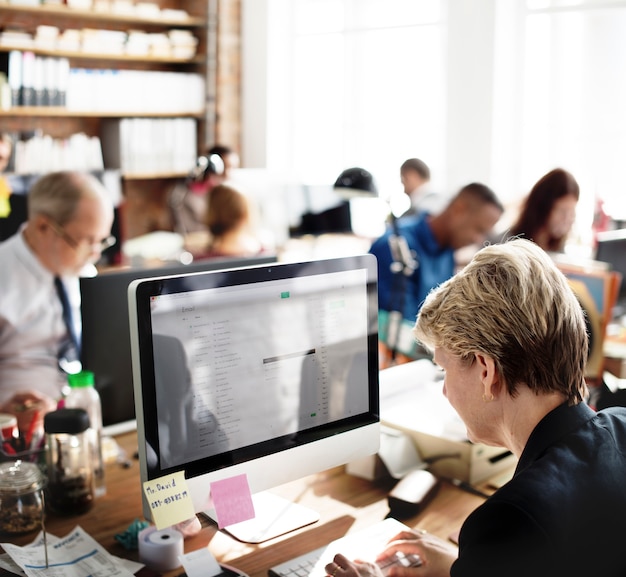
106 338
611 249
269 371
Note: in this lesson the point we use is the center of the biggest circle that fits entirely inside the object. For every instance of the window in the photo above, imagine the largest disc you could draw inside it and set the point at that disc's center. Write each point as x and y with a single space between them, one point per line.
361 84
500 92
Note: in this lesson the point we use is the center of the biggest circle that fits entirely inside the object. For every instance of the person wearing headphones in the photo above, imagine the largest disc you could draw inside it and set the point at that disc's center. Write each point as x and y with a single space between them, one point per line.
188 200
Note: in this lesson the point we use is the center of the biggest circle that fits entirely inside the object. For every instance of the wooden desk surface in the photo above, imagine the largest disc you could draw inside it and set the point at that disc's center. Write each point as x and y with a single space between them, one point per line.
344 502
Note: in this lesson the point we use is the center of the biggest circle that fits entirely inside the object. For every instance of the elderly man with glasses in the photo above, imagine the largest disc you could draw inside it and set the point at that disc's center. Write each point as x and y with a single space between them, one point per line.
70 215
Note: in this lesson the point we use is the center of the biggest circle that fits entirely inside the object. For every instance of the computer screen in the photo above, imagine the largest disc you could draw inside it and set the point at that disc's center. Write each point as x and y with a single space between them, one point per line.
271 372
611 249
105 334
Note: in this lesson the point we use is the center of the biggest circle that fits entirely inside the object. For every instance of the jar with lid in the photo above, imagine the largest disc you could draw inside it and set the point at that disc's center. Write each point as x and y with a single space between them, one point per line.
21 498
70 488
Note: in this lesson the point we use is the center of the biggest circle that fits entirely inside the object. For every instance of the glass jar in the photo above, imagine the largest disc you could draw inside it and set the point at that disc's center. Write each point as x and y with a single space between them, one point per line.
70 488
21 499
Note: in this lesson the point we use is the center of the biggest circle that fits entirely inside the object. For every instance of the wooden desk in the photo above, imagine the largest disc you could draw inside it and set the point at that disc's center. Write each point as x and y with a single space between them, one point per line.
344 502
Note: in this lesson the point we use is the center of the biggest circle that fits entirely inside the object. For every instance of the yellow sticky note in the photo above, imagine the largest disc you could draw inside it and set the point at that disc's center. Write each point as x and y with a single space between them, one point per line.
169 500
5 192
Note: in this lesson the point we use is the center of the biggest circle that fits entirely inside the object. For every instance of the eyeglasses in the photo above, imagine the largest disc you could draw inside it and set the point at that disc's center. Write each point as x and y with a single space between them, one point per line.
99 246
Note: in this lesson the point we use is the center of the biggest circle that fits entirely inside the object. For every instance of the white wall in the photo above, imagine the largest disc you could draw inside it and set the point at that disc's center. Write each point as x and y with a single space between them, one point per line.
266 59
470 71
254 69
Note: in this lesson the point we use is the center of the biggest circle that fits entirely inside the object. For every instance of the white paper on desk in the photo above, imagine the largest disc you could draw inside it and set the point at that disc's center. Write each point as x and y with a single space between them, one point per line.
364 544
75 555
130 566
7 563
200 563
412 399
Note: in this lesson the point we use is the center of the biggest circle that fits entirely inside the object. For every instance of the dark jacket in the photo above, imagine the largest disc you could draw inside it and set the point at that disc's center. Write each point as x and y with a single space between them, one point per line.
564 511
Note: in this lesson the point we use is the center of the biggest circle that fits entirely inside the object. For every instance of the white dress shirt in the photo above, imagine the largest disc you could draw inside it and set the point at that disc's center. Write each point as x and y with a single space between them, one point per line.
31 322
424 199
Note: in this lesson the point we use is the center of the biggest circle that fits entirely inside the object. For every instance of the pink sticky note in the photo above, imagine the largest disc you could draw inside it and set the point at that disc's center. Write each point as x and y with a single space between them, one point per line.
232 500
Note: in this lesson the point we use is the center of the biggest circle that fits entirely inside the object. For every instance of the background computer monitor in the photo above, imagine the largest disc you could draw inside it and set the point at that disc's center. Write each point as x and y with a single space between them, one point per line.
106 338
271 372
611 249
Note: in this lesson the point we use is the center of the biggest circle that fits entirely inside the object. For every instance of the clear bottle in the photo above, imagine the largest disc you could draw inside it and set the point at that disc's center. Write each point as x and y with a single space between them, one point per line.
83 395
69 461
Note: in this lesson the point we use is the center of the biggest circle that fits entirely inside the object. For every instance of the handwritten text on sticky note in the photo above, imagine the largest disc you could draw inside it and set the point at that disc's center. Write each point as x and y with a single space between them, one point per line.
169 500
232 500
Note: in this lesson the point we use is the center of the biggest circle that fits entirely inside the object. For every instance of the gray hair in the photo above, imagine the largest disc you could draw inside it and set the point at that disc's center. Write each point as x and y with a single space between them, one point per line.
58 194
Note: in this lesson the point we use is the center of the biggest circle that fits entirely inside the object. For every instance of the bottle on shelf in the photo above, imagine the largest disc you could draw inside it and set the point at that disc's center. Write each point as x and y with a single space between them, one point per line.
83 395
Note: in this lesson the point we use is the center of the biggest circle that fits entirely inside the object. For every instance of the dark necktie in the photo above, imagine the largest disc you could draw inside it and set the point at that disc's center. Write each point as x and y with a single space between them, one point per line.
70 347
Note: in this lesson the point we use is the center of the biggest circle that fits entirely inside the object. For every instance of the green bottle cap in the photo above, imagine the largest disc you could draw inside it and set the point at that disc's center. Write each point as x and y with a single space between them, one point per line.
82 379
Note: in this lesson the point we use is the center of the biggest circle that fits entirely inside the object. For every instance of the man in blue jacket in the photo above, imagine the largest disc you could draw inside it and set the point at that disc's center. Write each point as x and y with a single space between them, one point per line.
417 253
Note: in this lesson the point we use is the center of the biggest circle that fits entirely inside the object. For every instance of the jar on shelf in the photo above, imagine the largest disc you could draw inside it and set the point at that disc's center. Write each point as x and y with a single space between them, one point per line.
21 497
70 488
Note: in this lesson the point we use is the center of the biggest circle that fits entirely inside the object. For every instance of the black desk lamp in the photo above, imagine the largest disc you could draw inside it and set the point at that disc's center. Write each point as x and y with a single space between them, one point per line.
352 183
355 182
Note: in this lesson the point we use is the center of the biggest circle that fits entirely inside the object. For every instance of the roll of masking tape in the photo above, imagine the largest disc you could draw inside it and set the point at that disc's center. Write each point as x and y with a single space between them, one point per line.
159 550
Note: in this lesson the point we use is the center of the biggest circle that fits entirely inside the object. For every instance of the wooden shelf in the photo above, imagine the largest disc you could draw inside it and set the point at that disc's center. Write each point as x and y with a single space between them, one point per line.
13 176
59 112
154 175
61 11
74 55
144 192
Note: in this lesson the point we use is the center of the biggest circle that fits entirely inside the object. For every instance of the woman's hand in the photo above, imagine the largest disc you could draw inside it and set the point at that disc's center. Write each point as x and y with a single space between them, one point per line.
29 407
341 566
437 555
